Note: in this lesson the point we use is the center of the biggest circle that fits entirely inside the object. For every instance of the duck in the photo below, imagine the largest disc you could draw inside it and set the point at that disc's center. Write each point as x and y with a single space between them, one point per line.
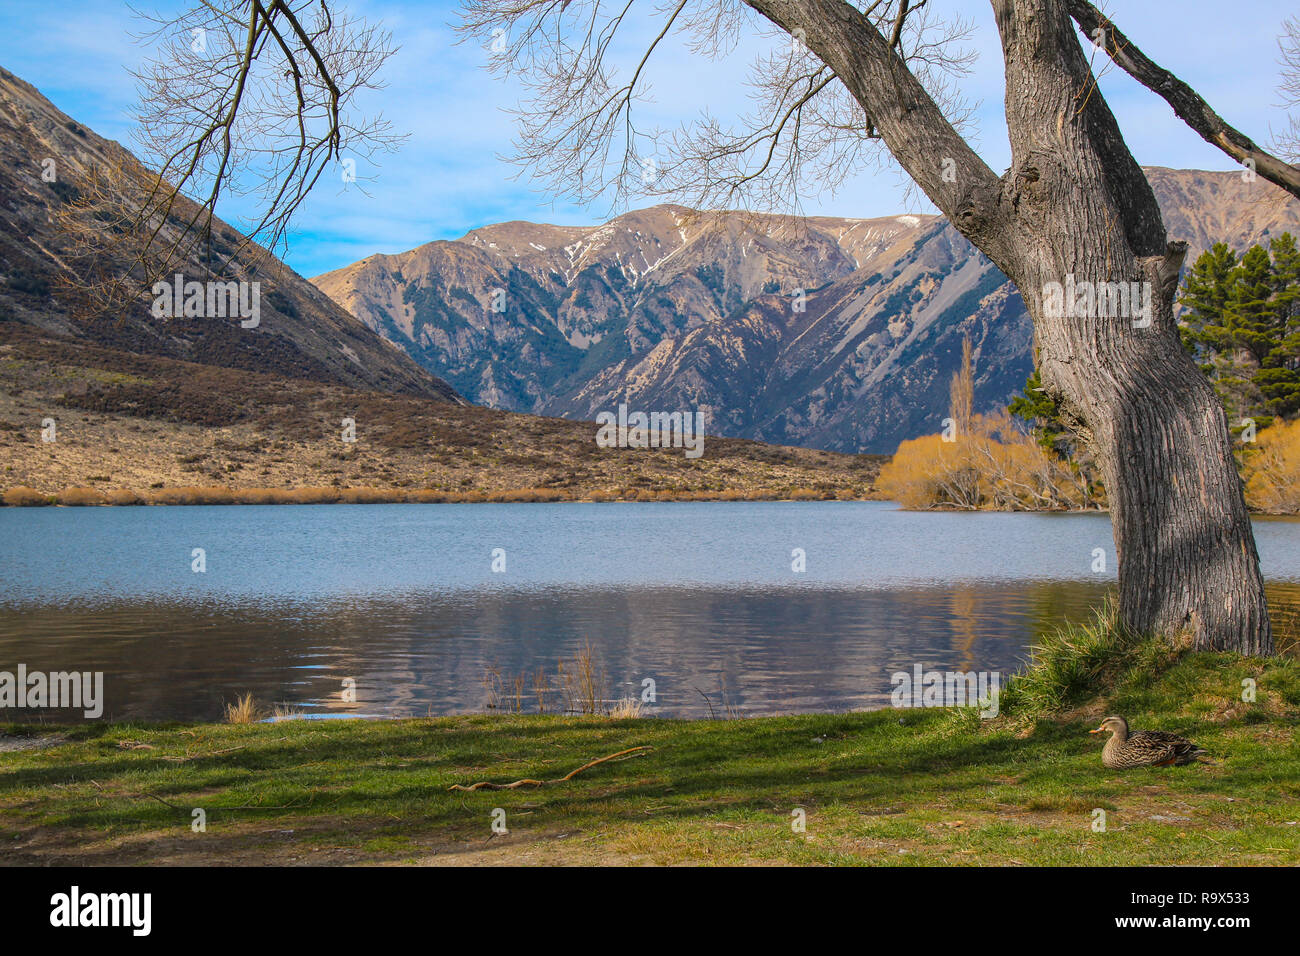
1146 748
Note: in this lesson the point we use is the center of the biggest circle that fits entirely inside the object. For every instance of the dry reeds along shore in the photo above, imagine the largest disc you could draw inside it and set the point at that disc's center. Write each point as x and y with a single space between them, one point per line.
24 497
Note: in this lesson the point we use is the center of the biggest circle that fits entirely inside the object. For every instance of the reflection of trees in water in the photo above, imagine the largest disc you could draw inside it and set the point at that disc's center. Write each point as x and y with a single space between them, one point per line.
164 660
1284 612
962 610
1066 602
775 650
1020 612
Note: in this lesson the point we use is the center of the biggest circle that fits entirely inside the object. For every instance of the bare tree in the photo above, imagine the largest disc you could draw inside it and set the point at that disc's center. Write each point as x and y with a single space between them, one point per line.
237 98
578 134
1073 205
961 391
1074 212
1288 140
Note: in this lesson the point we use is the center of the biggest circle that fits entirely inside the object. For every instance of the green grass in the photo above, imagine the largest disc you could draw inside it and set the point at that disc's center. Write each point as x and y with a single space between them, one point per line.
892 787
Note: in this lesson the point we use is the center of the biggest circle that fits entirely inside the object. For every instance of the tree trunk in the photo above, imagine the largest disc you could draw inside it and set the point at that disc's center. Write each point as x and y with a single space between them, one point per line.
1075 207
1183 537
1086 213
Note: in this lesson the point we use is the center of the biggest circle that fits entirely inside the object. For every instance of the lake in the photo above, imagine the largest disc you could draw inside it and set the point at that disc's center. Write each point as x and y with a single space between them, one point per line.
409 608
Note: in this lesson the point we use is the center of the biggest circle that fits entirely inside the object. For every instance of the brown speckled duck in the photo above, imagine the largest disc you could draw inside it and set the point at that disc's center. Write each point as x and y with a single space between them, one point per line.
1146 748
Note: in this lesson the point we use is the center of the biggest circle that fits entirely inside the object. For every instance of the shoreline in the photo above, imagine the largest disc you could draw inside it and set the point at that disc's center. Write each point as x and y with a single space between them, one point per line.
217 496
79 498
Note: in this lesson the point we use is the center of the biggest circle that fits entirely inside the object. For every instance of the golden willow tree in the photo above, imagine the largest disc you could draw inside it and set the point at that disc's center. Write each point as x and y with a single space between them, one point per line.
1073 214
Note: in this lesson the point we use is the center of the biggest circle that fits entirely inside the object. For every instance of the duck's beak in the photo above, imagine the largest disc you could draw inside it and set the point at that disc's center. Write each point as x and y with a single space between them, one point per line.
1097 731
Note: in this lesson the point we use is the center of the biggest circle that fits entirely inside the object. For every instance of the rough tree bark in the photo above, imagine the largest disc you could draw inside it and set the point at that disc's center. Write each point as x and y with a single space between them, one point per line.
1075 203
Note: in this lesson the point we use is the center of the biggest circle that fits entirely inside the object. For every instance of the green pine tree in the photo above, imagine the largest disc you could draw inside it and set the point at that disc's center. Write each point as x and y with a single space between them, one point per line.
1279 376
1043 413
1205 293
1241 320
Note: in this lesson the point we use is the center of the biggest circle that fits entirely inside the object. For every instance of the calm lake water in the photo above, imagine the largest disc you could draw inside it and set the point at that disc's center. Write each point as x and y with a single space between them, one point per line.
402 601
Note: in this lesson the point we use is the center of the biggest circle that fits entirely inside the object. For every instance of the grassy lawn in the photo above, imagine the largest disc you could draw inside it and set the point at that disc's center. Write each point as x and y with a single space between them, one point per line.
898 787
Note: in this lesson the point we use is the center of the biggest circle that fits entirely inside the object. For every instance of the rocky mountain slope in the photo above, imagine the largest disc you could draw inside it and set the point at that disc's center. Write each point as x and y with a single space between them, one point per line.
50 164
826 332
137 428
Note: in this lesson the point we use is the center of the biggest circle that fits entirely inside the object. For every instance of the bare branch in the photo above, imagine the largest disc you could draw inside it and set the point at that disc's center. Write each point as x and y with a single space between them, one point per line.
1288 141
239 97
1189 105
577 135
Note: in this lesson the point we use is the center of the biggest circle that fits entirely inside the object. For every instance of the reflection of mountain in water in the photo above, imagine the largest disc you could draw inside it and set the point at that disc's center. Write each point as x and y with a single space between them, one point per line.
772 651
700 597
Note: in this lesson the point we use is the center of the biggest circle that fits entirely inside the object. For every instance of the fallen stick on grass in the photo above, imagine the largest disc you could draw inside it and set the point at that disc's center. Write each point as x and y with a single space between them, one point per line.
211 753
487 785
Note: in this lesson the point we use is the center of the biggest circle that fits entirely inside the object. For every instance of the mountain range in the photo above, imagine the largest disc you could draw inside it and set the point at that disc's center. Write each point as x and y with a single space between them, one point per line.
824 332
830 333
309 405
50 164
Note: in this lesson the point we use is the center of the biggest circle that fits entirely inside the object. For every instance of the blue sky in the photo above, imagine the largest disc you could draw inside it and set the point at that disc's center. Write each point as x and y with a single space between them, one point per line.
447 178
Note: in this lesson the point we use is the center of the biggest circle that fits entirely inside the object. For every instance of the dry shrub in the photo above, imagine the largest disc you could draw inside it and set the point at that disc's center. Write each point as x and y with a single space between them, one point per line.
20 496
427 496
1272 468
123 496
370 496
582 682
529 494
994 467
627 707
243 711
80 497
285 496
261 496
316 495
191 495
806 494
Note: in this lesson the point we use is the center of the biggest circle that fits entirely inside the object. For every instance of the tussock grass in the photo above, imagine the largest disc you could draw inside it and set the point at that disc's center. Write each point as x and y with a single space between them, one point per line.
191 495
243 711
1099 667
578 686
1077 661
626 709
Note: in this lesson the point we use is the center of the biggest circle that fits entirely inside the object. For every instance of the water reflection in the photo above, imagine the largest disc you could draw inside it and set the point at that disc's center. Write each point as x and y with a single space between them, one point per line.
400 599
755 651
